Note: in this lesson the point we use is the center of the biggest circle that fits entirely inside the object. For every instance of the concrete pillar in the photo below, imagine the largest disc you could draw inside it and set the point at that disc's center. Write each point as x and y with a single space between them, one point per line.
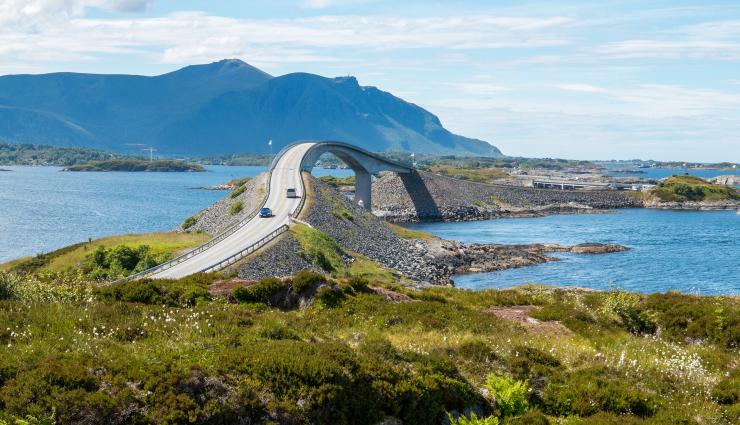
362 189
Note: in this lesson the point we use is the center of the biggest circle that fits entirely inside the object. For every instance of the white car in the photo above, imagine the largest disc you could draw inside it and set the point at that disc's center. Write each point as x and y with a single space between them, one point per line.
292 193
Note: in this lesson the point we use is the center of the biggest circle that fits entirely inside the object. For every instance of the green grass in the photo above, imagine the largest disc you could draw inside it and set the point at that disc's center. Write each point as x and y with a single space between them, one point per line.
236 208
680 188
169 352
74 255
407 233
337 182
479 175
318 247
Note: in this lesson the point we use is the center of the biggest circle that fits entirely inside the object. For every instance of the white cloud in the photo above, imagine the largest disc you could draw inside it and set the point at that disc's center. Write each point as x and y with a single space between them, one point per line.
586 88
39 12
317 4
680 49
188 37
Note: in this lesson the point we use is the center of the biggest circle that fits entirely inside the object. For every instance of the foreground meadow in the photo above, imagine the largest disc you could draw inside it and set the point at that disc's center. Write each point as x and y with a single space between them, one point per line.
349 351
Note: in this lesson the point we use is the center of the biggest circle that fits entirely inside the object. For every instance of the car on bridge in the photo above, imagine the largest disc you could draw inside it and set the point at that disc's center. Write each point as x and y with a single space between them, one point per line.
265 213
291 193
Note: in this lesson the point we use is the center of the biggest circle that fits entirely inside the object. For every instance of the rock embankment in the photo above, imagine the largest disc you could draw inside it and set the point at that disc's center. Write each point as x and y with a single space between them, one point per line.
443 198
727 179
358 232
729 204
217 217
458 258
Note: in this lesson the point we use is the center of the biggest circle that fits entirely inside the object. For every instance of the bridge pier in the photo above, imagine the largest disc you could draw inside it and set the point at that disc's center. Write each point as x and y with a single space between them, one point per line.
363 190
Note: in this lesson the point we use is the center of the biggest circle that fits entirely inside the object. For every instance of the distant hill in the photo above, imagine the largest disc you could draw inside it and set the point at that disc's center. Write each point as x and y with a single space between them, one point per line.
219 108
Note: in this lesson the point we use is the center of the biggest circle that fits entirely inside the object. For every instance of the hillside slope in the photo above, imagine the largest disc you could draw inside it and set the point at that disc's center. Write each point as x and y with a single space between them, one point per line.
223 107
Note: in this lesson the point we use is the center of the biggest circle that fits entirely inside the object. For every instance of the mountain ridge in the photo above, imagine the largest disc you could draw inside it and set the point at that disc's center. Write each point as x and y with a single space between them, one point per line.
223 107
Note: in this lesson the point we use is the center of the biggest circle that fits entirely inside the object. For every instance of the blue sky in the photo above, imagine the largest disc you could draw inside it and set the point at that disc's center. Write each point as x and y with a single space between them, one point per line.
574 79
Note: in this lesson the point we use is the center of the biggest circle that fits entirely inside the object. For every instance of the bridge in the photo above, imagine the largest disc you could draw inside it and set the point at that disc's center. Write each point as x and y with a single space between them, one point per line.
250 234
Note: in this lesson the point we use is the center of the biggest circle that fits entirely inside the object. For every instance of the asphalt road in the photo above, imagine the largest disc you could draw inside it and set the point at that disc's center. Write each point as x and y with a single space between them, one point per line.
286 174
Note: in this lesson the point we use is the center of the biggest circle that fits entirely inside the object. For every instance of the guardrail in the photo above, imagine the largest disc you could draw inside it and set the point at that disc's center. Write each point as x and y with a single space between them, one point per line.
246 251
200 248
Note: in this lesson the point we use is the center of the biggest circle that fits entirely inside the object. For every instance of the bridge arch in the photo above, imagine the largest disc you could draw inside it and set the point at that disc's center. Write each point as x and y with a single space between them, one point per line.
364 164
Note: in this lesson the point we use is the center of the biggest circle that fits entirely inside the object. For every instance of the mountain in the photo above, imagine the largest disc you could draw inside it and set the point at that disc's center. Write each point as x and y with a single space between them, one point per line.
219 108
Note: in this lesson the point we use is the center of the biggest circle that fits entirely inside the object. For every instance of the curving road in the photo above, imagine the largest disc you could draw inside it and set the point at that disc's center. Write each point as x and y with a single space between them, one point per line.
286 174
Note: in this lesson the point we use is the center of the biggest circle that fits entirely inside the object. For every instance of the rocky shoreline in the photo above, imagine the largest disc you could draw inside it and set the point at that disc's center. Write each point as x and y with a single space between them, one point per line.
694 205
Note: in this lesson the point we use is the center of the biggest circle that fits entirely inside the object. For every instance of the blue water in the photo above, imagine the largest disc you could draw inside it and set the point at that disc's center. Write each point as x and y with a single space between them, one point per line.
693 252
659 173
42 209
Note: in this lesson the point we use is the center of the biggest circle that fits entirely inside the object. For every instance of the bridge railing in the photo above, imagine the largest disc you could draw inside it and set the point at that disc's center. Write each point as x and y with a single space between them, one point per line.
246 251
200 248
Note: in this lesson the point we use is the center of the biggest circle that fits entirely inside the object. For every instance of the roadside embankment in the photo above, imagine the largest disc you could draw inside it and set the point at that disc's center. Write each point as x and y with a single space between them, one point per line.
443 198
223 213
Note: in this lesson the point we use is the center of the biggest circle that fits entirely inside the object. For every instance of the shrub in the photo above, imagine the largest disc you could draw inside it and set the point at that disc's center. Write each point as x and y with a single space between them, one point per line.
185 292
236 208
260 292
530 418
120 261
329 296
358 284
238 191
511 396
306 279
472 420
727 391
189 222
597 389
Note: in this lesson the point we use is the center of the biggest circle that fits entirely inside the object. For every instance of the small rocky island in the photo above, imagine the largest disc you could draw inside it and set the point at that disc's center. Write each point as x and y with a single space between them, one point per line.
137 165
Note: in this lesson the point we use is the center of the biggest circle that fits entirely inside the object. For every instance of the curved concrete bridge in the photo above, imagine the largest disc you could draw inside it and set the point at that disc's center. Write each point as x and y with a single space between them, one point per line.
285 172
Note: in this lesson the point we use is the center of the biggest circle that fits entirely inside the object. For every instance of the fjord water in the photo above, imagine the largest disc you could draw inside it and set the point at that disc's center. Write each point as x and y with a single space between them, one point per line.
42 208
689 251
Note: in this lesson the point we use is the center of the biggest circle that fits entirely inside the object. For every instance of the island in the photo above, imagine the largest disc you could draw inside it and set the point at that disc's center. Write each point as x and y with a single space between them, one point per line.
134 165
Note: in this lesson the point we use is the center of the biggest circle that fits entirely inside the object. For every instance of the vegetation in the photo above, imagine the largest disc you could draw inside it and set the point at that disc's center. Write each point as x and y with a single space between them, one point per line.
680 188
189 222
170 352
318 248
236 208
407 233
74 258
338 182
478 175
243 159
136 165
25 154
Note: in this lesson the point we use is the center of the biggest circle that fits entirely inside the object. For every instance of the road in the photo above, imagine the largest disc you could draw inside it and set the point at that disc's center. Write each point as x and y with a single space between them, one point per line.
286 174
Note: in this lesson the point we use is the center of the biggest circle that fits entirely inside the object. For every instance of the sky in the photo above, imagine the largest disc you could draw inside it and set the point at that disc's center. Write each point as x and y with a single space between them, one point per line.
569 79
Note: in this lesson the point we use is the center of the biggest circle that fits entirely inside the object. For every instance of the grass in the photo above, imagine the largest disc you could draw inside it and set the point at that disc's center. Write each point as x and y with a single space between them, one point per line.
337 182
169 352
74 255
479 175
407 233
318 248
236 208
680 188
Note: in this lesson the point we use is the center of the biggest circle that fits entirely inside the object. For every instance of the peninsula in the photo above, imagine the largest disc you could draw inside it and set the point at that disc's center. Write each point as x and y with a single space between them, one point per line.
134 165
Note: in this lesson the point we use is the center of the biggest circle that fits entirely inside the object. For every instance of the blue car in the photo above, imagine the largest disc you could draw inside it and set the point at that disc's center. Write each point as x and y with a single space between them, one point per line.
265 212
